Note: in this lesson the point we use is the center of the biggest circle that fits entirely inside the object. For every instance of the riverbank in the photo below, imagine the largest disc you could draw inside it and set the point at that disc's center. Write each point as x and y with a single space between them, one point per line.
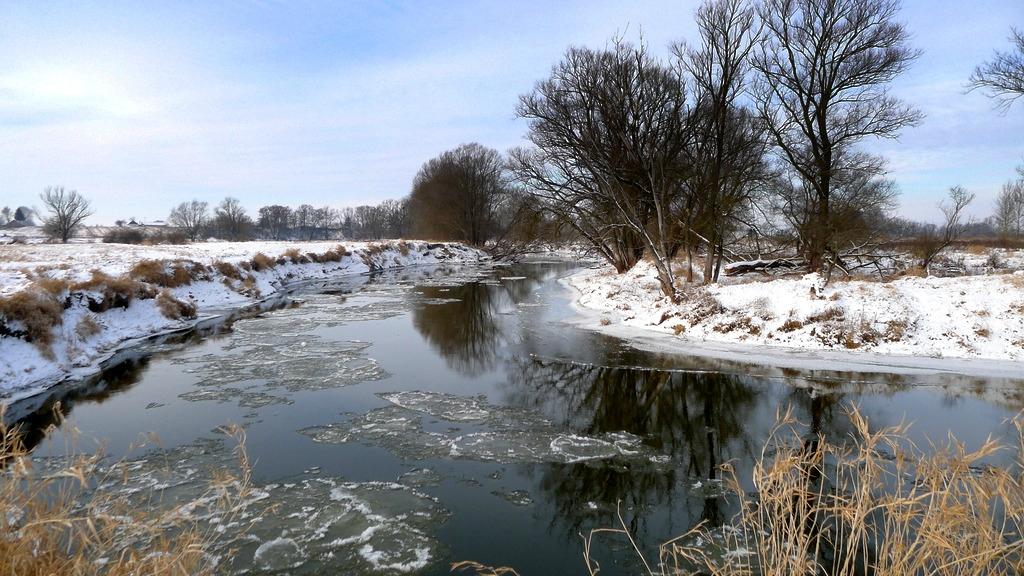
975 324
66 308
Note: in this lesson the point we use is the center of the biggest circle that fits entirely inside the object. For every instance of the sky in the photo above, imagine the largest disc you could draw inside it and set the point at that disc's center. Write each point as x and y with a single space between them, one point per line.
141 105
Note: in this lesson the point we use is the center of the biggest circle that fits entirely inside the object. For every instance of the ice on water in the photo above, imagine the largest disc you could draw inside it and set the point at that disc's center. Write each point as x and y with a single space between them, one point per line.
267 357
309 525
501 434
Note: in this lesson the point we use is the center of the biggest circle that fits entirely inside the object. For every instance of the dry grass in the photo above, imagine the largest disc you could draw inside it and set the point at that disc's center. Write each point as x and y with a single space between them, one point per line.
875 505
227 270
87 327
294 256
36 311
164 274
114 292
791 325
173 308
261 262
895 330
55 523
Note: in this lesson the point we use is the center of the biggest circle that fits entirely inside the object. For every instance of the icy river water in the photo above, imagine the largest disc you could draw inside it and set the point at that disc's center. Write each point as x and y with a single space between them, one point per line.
404 421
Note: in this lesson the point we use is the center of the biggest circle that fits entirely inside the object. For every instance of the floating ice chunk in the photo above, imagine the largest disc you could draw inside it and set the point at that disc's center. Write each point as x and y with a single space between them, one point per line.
515 497
508 435
446 406
278 554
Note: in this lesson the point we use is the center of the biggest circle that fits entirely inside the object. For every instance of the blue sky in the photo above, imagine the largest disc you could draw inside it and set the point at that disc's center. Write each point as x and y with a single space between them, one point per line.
140 105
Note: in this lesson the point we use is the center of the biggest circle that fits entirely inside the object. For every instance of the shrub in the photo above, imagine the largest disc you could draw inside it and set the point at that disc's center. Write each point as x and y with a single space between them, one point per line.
791 325
895 330
124 236
830 313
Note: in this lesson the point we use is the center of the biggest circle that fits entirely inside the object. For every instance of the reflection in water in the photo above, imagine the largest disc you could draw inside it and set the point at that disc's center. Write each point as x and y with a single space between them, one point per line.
697 417
464 322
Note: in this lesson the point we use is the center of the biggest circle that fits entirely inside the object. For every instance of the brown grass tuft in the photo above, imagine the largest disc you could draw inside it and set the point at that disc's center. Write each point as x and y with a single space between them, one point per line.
164 274
114 292
294 256
31 314
87 327
262 262
227 270
791 325
173 308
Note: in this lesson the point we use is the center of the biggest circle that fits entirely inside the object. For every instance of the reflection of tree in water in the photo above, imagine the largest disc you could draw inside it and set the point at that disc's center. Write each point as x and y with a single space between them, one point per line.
468 332
697 418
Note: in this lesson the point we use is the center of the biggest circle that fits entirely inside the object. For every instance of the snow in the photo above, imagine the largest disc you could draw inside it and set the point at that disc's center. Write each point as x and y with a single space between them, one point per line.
25 368
977 317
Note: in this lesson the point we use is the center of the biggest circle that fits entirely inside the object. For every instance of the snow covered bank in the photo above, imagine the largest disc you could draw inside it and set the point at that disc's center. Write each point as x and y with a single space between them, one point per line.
971 317
65 308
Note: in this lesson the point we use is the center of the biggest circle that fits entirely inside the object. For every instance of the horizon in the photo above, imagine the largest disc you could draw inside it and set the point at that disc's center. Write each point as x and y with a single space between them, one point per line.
140 109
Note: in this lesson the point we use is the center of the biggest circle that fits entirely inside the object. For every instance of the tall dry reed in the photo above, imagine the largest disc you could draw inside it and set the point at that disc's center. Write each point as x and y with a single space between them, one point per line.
53 520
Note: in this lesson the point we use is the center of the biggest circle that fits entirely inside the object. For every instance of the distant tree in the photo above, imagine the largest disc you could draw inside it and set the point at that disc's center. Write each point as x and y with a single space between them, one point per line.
5 215
24 214
302 220
274 220
323 221
823 73
231 221
455 195
191 217
68 209
934 241
1003 76
1009 209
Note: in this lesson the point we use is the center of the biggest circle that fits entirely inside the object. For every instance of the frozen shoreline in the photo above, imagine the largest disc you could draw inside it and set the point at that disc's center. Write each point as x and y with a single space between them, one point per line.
26 369
630 307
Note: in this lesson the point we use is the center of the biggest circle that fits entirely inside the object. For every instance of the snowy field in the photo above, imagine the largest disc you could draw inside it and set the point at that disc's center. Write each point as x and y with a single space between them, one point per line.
979 316
168 287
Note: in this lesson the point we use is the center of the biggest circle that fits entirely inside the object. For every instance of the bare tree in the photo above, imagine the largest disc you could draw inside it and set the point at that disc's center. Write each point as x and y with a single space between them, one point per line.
274 221
302 220
191 217
824 67
1009 209
728 153
1003 76
934 241
455 195
231 221
68 209
611 123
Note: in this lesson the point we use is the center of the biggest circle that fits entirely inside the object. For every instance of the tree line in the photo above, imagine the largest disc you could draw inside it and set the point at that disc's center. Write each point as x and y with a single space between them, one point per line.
745 142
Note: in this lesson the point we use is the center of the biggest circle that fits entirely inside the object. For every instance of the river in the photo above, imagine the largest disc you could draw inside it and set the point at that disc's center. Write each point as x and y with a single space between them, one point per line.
409 419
